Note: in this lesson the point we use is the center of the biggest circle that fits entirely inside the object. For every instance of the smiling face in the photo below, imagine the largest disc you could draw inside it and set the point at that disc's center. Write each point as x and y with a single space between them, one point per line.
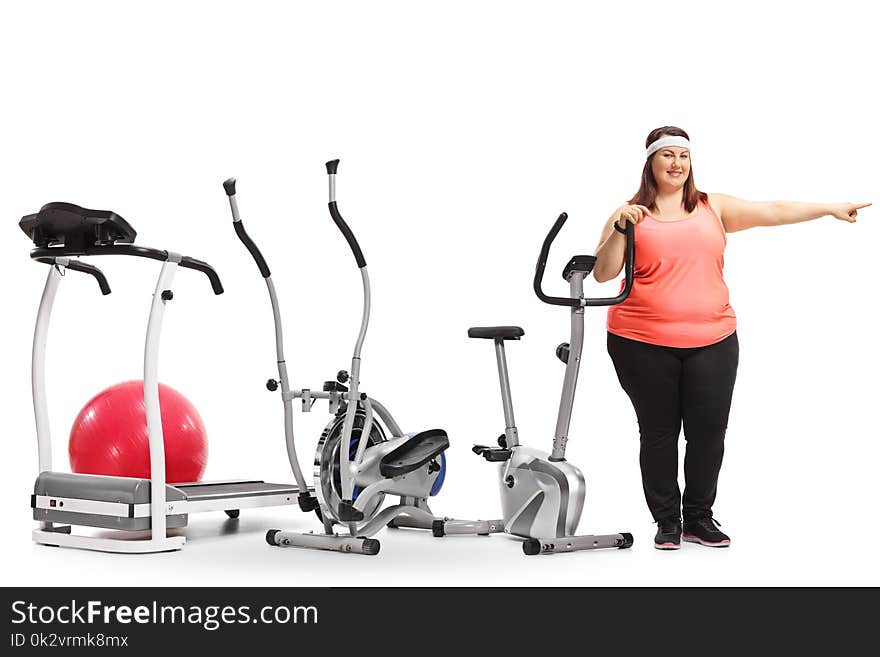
671 167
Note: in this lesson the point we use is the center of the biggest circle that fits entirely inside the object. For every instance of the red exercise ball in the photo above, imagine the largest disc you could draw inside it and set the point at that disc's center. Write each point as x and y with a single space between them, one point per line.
109 436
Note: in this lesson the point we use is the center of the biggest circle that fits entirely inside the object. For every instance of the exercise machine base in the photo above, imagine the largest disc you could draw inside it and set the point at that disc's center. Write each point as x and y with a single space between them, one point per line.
331 542
620 541
61 537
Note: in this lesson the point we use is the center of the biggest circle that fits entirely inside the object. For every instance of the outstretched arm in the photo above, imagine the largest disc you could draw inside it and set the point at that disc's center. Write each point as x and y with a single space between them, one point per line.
737 214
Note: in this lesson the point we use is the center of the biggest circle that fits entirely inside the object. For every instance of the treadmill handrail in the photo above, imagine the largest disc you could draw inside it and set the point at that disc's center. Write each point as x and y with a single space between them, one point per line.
42 253
75 265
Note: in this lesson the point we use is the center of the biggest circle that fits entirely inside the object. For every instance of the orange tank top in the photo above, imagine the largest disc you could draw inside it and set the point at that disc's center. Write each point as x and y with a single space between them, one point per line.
679 297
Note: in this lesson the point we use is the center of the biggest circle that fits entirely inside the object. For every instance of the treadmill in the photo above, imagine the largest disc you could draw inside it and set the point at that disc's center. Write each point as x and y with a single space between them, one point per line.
141 509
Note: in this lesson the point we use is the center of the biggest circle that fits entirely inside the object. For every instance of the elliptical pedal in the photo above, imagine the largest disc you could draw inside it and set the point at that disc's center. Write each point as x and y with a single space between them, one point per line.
419 450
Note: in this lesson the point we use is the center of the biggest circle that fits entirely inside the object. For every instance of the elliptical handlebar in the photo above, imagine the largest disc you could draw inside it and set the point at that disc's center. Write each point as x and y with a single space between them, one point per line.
629 260
229 188
337 218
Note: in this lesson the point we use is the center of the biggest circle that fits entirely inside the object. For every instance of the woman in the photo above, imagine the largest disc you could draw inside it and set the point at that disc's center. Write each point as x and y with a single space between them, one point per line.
673 341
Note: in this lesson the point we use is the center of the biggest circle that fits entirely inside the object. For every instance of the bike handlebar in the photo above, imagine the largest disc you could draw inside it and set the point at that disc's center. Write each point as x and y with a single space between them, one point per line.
629 272
572 302
542 264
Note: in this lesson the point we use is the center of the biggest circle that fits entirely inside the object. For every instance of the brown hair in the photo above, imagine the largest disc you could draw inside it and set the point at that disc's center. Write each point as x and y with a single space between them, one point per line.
647 194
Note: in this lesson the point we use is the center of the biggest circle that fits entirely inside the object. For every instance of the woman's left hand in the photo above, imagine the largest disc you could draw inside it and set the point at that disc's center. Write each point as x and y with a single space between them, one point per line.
847 211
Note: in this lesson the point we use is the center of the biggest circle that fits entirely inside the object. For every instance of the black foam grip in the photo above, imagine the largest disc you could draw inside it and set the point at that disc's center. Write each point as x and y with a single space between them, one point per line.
75 265
41 254
331 166
229 186
250 246
629 272
206 269
629 259
346 232
542 265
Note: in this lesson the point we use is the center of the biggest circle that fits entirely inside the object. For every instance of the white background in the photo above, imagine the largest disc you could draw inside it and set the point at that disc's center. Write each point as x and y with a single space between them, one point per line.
463 129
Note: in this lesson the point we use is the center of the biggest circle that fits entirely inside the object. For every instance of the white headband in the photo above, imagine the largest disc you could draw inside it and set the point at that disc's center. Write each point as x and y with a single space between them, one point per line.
663 142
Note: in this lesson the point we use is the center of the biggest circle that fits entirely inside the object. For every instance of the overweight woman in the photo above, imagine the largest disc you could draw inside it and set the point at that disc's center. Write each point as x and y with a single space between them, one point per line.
673 341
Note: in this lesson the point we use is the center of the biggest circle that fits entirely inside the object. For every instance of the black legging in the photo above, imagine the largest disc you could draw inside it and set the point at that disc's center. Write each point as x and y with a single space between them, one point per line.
668 386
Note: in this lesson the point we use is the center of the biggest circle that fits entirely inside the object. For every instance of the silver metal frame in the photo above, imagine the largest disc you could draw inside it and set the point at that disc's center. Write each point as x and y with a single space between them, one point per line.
510 431
572 368
362 470
350 470
542 495
286 397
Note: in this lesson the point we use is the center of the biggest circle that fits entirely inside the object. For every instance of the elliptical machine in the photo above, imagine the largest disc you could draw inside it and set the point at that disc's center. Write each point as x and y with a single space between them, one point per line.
542 495
351 482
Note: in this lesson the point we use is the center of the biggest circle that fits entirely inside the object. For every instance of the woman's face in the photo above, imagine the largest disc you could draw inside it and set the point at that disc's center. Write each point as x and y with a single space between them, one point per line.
671 167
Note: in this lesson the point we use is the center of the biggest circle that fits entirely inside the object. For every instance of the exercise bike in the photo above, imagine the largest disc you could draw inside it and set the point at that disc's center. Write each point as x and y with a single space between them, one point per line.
542 495
362 454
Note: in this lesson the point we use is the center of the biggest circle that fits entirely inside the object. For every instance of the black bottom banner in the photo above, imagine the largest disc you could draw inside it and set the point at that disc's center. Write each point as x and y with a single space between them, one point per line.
406 620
